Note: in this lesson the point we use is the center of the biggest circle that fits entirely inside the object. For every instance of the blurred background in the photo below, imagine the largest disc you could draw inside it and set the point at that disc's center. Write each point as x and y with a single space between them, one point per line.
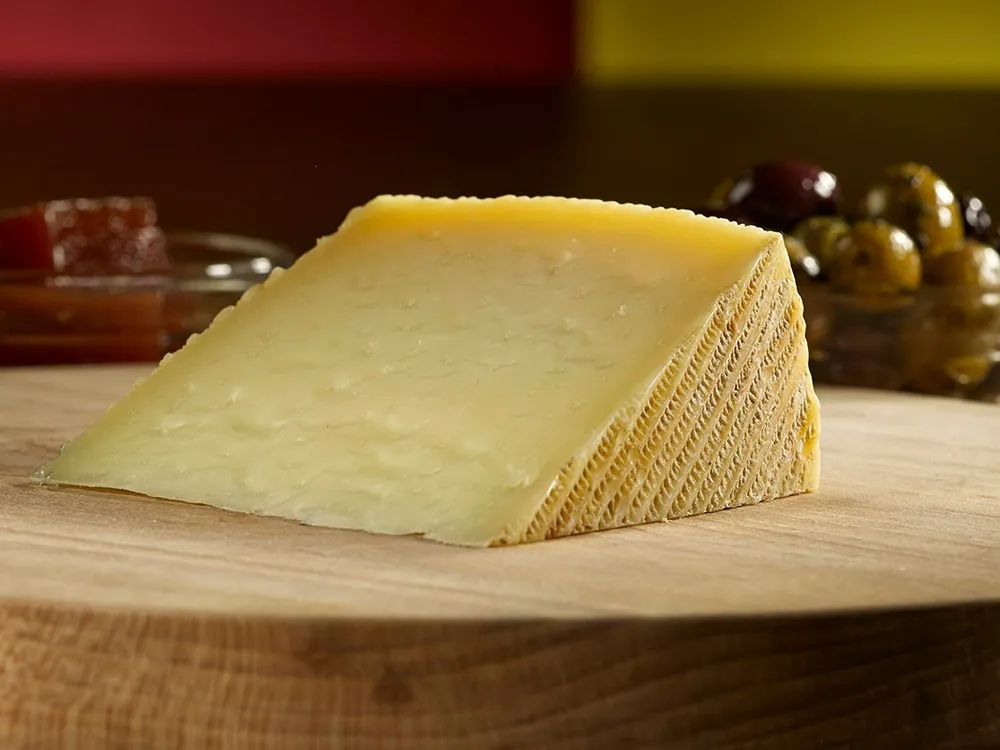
273 117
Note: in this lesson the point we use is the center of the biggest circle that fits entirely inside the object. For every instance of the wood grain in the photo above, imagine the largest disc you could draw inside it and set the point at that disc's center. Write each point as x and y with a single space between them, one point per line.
867 615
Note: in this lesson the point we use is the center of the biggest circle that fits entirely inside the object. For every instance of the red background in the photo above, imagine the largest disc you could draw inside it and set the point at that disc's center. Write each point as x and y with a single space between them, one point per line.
384 39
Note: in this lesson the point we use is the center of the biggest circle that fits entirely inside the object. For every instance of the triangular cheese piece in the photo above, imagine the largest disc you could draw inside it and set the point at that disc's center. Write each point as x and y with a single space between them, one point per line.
485 372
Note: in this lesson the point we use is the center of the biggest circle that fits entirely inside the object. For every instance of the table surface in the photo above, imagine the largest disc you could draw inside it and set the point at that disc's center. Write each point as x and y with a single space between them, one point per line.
131 622
908 514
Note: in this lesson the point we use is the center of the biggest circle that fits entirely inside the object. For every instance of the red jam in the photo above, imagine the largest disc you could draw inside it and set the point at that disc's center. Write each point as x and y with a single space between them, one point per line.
84 236
75 285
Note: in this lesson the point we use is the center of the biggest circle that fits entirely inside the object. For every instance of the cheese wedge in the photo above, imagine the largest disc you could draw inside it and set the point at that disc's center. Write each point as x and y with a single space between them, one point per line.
484 372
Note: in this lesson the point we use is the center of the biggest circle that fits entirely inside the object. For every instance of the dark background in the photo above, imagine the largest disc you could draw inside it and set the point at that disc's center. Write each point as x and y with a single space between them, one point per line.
287 160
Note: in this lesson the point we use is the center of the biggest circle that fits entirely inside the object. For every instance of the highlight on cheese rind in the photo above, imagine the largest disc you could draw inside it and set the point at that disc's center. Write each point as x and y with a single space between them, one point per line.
485 372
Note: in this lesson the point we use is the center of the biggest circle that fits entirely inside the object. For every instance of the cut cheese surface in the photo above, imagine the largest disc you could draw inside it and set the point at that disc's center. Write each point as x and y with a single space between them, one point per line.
484 372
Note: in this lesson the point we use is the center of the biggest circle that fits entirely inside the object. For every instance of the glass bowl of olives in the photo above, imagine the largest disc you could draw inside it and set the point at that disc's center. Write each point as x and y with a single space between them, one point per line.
901 291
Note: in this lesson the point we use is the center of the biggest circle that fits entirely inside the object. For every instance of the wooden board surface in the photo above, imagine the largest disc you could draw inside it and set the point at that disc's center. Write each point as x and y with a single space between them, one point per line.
908 513
106 590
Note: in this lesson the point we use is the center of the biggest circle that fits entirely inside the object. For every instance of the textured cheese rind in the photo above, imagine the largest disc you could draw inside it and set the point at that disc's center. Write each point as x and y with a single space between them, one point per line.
623 472
731 420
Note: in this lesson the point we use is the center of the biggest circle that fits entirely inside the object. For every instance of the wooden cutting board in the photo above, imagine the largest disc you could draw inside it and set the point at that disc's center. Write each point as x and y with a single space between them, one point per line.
867 613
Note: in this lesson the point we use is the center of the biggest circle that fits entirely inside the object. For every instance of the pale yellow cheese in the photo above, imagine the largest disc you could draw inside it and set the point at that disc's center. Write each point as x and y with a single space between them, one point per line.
485 372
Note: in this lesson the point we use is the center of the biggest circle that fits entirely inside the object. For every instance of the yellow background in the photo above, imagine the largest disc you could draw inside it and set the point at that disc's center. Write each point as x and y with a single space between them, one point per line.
850 42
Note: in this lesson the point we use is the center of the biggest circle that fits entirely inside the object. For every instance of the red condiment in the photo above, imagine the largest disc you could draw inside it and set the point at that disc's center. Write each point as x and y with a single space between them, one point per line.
84 236
71 284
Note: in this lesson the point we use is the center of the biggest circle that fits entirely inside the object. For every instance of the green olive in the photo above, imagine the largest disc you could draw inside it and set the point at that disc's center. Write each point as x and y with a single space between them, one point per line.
971 265
956 376
946 352
875 258
820 234
963 309
917 200
804 264
951 346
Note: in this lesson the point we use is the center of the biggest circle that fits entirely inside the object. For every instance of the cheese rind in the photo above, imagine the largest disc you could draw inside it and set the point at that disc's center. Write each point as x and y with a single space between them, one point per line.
485 372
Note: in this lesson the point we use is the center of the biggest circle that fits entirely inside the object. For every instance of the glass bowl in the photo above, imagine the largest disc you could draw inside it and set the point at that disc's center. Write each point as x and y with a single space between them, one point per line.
50 318
944 342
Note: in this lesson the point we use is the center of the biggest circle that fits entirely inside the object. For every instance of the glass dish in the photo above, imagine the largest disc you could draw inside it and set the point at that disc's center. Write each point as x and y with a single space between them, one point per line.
51 318
944 342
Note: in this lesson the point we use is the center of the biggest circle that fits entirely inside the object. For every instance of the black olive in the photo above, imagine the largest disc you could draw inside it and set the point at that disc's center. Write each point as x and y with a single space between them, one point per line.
977 220
777 195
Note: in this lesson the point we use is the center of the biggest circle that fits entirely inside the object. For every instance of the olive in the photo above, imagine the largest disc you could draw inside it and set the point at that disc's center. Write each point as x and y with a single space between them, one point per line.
966 281
777 195
951 345
875 258
941 374
949 349
972 265
804 264
914 198
978 223
820 235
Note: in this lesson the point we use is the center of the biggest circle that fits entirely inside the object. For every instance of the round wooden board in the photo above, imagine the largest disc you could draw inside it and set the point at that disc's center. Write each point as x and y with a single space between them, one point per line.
866 615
